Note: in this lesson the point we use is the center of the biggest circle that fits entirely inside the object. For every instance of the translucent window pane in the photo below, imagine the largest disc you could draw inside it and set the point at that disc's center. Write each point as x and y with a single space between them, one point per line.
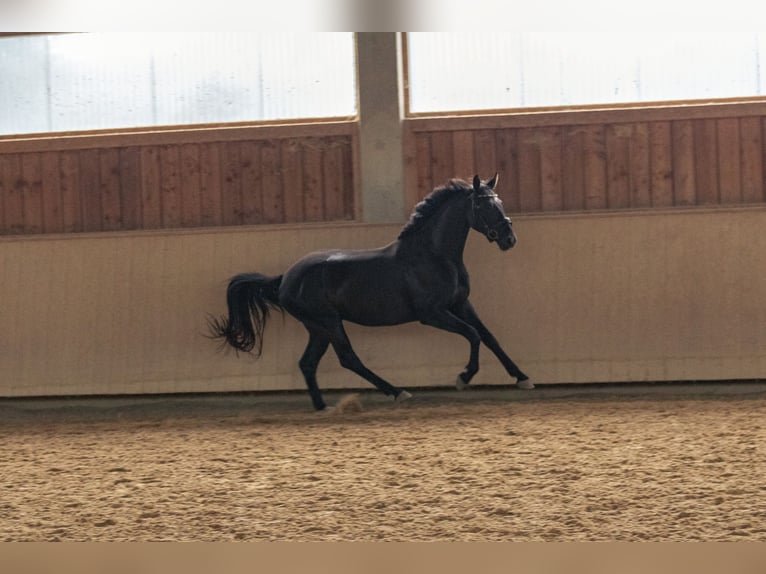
116 80
98 81
23 85
507 70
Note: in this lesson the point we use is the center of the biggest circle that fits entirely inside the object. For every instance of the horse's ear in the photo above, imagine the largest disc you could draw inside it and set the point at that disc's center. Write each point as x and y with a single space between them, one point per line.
493 182
476 183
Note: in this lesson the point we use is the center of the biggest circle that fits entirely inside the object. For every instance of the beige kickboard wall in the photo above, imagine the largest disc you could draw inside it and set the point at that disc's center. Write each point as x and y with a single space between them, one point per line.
631 296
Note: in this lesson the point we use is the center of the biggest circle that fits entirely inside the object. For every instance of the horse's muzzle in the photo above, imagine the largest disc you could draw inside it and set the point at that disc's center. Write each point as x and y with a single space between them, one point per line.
506 243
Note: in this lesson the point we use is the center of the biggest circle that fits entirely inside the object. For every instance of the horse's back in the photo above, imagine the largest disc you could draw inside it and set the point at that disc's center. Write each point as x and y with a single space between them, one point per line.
362 286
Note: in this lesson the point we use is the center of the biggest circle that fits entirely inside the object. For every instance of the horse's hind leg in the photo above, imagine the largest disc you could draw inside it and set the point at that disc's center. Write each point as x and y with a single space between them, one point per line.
315 350
349 360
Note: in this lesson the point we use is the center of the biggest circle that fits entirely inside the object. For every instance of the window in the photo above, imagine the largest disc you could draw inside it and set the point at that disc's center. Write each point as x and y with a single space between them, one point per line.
73 82
522 70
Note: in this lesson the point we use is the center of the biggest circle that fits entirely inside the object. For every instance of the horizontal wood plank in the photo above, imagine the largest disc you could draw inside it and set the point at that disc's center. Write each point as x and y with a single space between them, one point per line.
600 115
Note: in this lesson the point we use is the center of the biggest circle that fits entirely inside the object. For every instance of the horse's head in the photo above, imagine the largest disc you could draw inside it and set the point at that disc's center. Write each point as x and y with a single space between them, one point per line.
487 215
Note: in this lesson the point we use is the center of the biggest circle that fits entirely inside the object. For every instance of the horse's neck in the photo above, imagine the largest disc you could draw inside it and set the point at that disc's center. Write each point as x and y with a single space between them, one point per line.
447 231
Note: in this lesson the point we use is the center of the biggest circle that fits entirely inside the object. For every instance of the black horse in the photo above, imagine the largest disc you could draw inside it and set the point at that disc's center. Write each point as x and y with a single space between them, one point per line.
418 277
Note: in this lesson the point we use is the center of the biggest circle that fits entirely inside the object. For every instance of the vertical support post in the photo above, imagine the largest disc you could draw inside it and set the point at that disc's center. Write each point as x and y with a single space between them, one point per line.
380 118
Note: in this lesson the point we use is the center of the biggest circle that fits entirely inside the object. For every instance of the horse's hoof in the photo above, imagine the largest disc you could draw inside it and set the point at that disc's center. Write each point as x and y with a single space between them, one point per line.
403 396
525 385
460 384
325 411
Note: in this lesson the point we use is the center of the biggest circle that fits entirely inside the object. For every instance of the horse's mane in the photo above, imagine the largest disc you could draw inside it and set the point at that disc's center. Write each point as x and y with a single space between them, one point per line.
431 204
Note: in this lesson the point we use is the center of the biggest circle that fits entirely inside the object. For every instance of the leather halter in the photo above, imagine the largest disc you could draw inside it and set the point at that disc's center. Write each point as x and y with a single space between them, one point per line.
490 231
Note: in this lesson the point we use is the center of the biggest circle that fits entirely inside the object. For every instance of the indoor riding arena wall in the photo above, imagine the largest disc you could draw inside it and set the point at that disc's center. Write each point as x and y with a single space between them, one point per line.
640 254
582 298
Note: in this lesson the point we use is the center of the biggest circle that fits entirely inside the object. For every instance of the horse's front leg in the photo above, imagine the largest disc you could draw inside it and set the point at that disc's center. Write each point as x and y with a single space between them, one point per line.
468 314
447 321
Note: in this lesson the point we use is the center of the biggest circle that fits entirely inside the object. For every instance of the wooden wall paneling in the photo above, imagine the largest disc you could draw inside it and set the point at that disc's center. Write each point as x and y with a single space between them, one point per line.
271 189
170 185
530 192
313 202
191 195
130 184
252 188
347 174
442 158
231 189
507 146
682 132
53 221
3 189
661 164
16 187
332 180
551 195
763 152
110 189
572 169
639 166
463 160
697 161
706 161
618 165
485 154
210 178
71 200
554 252
291 161
752 158
594 161
32 195
425 182
151 201
188 183
409 172
90 192
729 161
350 179
13 201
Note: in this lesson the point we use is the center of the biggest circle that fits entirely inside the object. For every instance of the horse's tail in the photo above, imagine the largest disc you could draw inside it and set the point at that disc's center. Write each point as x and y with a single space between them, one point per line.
249 297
